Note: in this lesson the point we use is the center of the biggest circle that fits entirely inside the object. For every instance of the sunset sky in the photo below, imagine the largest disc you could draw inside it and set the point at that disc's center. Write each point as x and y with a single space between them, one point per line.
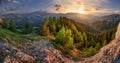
61 6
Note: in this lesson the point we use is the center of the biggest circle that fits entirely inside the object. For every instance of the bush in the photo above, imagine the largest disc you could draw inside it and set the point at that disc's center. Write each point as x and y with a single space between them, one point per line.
91 51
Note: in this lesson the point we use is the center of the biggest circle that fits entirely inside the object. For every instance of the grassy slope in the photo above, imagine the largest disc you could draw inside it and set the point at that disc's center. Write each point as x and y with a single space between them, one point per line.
17 38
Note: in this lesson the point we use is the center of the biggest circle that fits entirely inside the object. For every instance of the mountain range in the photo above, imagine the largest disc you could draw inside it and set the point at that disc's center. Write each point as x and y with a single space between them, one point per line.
36 19
106 22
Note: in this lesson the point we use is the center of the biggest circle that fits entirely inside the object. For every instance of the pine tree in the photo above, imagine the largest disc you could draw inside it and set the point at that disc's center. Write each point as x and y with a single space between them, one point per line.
54 28
64 38
45 29
27 29
50 19
97 46
92 42
91 51
69 39
59 24
54 19
104 43
113 36
12 26
60 36
1 21
5 24
84 37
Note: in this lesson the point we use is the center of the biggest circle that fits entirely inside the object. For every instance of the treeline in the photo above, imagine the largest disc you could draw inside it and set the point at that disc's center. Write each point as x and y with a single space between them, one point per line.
69 36
10 25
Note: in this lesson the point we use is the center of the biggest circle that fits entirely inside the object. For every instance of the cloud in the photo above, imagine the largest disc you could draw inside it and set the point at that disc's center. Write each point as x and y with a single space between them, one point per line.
15 1
66 6
58 6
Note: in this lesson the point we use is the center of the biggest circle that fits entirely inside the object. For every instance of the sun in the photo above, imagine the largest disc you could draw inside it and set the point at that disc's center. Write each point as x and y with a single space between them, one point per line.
81 11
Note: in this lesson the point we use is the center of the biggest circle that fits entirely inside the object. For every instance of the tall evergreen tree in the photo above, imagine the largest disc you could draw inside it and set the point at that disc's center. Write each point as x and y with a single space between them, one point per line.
104 43
64 38
92 42
5 24
27 29
54 19
45 29
12 26
84 37
91 51
97 46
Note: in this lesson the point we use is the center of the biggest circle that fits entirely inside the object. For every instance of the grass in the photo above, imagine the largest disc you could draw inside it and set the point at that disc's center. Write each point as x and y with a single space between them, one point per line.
17 37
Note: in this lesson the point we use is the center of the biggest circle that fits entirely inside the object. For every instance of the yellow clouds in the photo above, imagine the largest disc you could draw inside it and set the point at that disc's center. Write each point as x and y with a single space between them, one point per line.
81 6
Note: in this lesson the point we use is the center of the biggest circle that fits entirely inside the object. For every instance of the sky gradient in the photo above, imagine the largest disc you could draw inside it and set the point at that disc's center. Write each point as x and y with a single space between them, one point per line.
61 6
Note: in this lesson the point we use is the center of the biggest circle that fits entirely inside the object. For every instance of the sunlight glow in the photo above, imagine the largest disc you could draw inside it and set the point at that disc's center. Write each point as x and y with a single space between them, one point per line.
81 11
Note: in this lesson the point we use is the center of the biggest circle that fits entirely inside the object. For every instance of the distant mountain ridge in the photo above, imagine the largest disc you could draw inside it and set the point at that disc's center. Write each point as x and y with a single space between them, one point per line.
37 18
106 22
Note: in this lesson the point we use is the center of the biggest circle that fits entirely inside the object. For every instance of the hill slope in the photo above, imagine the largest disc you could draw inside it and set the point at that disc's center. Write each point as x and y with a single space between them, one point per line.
106 22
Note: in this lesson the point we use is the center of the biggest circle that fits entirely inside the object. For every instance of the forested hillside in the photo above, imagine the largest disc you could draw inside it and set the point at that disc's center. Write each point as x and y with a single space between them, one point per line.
75 39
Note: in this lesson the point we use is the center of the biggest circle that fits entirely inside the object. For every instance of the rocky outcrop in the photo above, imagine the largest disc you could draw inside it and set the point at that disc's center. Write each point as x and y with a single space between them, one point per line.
10 54
45 52
117 36
35 52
